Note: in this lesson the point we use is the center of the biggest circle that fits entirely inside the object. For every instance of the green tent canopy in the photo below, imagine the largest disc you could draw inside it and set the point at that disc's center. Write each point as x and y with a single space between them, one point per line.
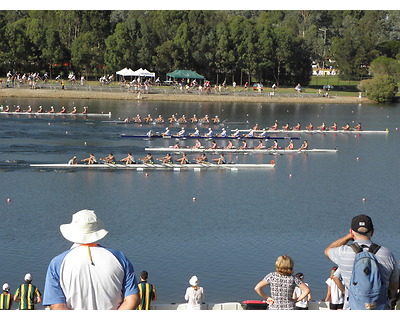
189 74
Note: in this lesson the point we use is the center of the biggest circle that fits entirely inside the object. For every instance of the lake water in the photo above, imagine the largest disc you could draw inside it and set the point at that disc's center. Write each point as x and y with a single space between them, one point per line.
241 220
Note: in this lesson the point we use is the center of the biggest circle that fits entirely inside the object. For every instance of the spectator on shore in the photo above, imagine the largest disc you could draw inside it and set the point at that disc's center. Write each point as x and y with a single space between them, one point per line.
27 295
194 294
303 304
282 283
343 255
335 292
89 276
6 298
148 292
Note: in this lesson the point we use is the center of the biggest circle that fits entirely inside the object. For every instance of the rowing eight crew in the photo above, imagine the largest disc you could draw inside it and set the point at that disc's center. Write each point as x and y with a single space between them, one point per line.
236 134
310 127
174 119
40 110
148 159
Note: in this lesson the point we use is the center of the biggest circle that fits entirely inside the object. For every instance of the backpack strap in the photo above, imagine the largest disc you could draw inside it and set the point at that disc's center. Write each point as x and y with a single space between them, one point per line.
356 247
373 248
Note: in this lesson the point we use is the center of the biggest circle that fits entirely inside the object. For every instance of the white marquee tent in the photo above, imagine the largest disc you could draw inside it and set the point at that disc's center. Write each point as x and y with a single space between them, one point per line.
126 72
144 73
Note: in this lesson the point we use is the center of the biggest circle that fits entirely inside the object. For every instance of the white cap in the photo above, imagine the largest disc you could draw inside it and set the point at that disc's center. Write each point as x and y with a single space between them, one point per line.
28 277
6 287
193 281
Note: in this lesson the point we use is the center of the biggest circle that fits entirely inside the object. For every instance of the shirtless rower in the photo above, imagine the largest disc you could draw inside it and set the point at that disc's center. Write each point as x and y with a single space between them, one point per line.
109 159
148 119
183 160
137 119
260 145
172 119
310 127
194 119
197 145
346 127
159 119
205 119
196 133
286 127
166 133
334 127
128 159
297 126
148 159
182 119
166 159
73 160
201 159
304 146
90 160
290 145
322 127
220 160
215 120
274 146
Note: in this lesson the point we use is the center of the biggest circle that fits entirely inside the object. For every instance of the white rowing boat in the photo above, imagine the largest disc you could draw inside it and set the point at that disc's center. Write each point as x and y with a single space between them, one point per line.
236 150
55 114
316 131
175 166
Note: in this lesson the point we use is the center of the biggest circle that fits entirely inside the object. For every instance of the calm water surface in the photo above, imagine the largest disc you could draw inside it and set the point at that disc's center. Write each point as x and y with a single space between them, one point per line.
240 222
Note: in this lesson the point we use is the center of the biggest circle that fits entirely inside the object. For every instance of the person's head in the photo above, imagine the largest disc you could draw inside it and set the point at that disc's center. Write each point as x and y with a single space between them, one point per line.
84 228
194 281
333 270
144 275
362 227
6 287
28 278
300 276
284 265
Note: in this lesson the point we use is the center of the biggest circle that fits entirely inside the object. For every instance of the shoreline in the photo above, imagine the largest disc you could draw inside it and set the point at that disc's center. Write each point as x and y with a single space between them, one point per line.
183 97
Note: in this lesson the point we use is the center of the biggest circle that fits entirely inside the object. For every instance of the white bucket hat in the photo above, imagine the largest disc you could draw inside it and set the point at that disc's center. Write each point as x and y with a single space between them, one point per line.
194 281
28 277
84 228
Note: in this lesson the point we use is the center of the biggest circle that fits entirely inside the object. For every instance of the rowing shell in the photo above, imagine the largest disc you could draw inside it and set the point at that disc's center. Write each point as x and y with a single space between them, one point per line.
156 136
248 150
176 167
55 114
316 131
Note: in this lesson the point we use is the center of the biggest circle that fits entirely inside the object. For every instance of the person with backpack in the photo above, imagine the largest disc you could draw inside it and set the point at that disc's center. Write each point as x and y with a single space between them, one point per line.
369 272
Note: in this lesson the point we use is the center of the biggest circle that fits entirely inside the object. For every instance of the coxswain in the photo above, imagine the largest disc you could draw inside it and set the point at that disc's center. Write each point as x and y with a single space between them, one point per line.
182 119
196 133
297 126
128 159
223 133
85 110
310 127
220 160
275 126
63 110
334 127
166 133
346 127
194 119
183 160
197 145
109 159
160 119
182 133
230 145
51 109
149 133
40 109
275 145
172 119
215 120
166 159
90 160
358 127
290 145
286 127
213 145
322 127
148 159
260 145
18 109
148 119
201 159
209 134
73 110
73 160
304 146
244 145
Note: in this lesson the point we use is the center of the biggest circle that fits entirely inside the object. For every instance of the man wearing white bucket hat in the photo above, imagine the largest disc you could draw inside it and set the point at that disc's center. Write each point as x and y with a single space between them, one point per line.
89 276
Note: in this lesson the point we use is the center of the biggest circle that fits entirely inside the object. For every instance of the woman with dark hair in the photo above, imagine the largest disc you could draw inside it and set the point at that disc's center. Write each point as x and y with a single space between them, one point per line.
282 283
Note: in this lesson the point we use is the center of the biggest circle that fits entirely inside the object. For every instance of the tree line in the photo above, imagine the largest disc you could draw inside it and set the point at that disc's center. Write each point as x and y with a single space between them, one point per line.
267 46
